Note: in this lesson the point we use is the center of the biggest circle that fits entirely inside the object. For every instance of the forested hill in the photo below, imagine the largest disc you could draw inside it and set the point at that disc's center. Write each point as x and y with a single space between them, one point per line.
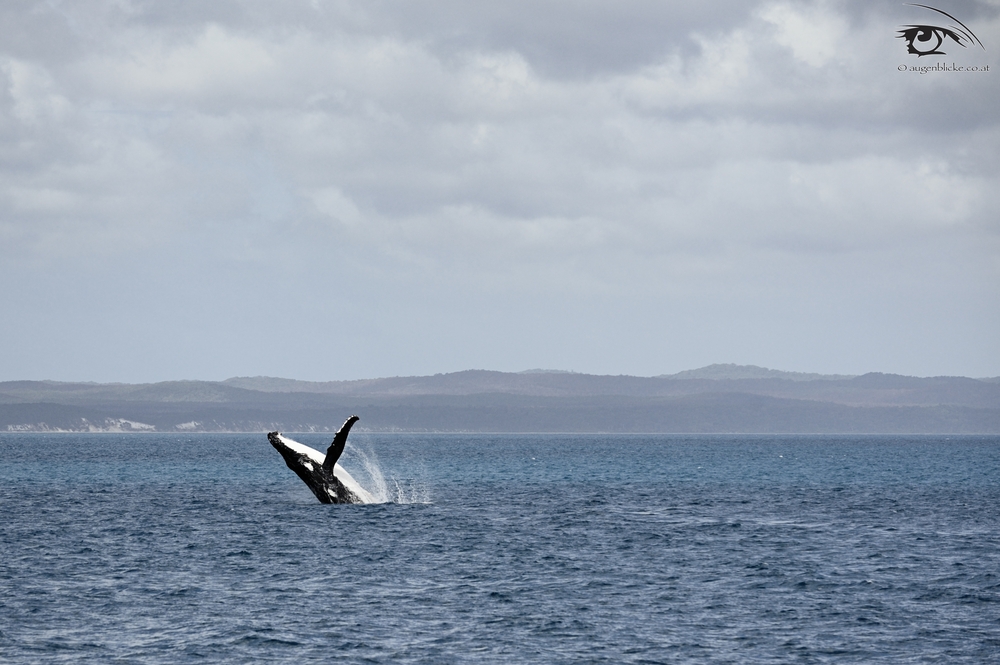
718 398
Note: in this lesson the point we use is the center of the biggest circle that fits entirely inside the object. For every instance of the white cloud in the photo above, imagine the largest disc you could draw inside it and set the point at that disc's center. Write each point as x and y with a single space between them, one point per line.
814 34
331 201
215 63
33 93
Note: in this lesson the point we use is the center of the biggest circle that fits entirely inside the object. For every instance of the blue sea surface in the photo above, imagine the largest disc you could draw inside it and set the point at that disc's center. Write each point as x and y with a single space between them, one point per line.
167 548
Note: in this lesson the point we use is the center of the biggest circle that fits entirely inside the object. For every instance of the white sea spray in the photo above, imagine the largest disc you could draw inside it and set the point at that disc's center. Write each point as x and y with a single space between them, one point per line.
391 490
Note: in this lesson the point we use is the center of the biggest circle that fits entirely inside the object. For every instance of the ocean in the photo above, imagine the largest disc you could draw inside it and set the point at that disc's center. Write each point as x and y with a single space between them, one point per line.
535 548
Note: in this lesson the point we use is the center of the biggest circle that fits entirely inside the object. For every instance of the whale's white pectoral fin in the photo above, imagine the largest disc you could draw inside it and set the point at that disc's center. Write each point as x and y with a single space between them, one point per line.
311 453
329 481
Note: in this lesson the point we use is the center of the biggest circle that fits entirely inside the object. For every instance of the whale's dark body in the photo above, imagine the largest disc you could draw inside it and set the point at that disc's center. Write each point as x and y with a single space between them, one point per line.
321 473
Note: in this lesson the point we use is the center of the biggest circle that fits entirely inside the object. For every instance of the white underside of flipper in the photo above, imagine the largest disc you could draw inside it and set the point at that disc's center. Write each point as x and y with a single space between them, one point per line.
339 471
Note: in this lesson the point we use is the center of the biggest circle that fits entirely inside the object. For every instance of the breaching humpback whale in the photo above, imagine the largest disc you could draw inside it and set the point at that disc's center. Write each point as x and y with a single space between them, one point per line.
327 479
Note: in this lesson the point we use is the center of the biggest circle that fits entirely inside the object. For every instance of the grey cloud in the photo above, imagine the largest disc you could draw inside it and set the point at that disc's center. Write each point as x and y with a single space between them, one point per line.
446 166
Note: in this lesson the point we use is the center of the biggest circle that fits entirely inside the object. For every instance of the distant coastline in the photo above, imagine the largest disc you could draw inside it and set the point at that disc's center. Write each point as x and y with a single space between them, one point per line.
713 399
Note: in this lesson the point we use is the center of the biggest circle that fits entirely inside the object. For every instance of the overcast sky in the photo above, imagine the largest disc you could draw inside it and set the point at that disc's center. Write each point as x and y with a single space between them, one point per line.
332 189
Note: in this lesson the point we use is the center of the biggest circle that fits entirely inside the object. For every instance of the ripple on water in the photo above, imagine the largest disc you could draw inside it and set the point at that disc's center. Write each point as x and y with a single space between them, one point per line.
126 552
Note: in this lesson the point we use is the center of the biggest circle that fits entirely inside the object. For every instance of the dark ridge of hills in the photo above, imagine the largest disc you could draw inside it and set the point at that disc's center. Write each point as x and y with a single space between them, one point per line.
740 399
868 389
729 371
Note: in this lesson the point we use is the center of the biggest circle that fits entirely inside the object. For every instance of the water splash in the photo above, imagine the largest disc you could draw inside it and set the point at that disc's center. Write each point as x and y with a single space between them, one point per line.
393 490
